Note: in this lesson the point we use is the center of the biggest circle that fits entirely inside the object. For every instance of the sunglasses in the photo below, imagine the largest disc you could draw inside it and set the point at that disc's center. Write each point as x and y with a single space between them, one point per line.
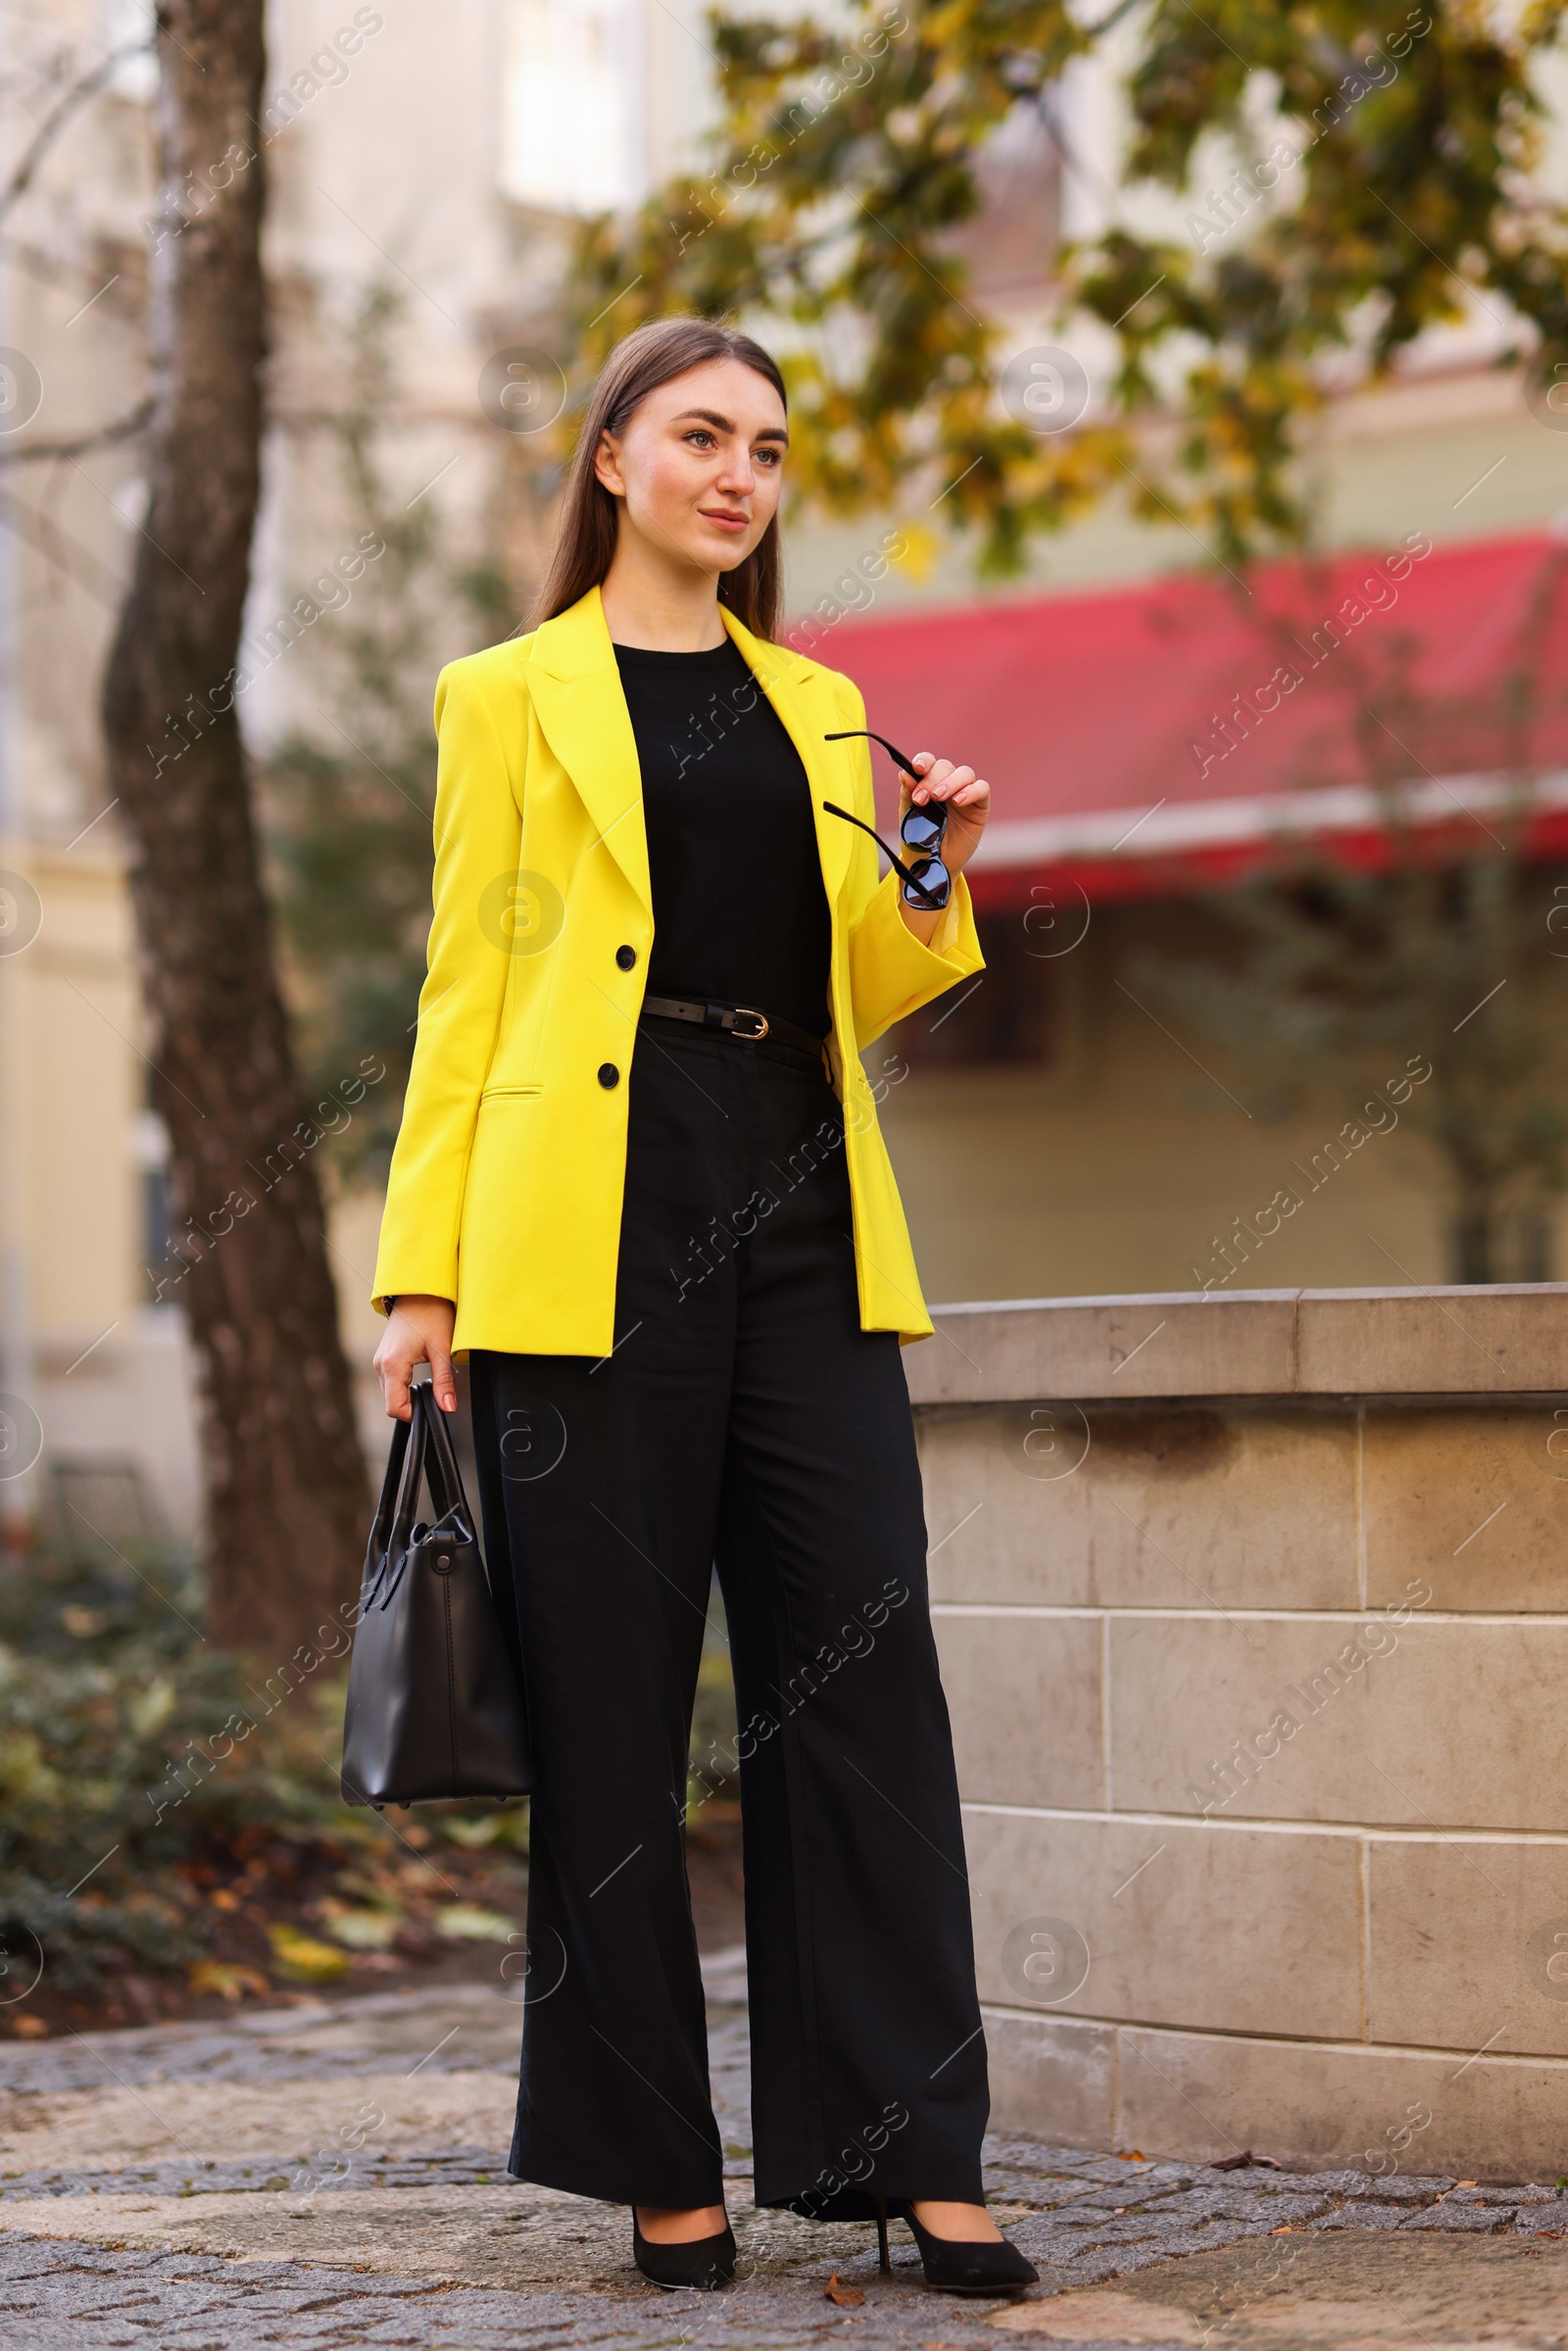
927 880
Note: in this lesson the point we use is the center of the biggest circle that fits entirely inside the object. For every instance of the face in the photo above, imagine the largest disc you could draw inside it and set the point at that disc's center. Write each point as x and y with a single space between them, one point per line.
699 468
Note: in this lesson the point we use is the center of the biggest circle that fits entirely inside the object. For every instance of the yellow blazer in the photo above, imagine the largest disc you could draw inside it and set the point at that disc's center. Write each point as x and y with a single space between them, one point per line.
509 1168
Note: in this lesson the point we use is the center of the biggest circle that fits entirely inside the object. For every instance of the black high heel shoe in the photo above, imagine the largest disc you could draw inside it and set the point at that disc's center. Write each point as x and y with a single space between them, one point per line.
702 2263
955 2264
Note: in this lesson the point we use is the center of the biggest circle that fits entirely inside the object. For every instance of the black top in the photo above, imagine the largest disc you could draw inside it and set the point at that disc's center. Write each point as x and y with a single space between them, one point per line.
740 913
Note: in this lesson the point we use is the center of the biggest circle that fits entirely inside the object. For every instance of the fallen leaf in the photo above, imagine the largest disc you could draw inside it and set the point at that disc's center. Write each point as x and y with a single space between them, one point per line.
302 1958
467 1921
361 1929
229 1983
848 2297
475 1834
29 2027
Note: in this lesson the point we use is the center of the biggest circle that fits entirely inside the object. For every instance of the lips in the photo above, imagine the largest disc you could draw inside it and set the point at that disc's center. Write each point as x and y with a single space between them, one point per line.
725 521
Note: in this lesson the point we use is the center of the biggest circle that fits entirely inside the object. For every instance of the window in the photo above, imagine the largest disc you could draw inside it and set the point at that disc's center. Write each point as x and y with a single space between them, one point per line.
571 133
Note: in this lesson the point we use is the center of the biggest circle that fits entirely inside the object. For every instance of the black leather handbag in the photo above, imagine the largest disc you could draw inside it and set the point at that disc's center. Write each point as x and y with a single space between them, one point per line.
433 1709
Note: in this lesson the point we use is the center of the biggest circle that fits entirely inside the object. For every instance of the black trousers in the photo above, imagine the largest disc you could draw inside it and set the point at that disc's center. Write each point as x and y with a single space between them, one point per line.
743 1419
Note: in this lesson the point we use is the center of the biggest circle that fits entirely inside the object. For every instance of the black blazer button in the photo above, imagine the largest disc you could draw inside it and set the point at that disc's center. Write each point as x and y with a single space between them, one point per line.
609 1074
626 956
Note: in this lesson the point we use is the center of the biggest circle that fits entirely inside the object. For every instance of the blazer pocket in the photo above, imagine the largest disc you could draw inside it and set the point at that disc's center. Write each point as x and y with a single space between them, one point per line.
497 1094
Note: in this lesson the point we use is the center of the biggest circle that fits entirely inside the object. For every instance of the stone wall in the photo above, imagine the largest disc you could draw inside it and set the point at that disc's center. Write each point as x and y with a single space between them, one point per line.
1254 1617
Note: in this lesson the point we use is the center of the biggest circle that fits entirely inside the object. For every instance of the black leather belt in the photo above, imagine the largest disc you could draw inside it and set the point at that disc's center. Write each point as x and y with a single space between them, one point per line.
742 1022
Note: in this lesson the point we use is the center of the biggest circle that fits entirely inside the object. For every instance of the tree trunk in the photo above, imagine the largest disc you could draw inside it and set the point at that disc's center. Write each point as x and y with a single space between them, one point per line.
285 1478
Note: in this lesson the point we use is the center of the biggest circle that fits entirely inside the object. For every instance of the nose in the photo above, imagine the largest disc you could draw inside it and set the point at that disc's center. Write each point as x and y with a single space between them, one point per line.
737 475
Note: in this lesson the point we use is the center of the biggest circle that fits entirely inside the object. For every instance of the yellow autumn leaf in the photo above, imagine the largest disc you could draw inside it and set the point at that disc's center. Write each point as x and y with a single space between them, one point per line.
229 1983
303 1959
361 1929
464 1921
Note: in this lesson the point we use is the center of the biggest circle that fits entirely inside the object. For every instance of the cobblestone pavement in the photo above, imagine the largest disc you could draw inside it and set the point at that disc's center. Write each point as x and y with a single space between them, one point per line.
334 2173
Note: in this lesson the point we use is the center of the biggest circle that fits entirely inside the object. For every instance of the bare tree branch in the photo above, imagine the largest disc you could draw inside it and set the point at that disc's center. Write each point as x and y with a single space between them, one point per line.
85 86
48 268
102 437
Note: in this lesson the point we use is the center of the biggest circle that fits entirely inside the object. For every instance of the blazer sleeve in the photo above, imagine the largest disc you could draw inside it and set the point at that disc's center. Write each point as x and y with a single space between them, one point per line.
892 973
479 840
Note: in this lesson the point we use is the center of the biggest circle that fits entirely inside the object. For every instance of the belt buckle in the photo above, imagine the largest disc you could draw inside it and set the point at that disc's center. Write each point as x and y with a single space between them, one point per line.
749 1036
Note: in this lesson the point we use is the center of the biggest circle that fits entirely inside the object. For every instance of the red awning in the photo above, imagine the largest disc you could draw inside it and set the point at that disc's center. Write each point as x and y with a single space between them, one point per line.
1166 736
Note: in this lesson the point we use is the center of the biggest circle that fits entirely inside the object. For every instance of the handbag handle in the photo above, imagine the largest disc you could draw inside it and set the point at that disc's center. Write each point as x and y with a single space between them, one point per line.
395 1512
385 1510
441 1471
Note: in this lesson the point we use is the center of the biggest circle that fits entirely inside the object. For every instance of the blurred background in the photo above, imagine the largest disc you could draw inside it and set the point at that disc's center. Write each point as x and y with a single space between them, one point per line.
1053 1130
1181 415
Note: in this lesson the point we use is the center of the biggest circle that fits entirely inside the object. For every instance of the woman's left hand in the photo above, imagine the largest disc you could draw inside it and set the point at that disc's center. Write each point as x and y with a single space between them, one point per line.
967 797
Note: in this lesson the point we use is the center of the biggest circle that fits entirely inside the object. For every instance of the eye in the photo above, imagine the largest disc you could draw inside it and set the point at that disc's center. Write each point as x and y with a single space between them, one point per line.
769 454
700 432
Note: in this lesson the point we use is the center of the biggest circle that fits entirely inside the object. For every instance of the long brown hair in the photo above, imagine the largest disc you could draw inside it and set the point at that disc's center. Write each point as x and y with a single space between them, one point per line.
585 532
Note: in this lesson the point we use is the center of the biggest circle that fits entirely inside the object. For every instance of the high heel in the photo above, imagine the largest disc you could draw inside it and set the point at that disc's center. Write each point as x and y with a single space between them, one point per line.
702 2263
957 2265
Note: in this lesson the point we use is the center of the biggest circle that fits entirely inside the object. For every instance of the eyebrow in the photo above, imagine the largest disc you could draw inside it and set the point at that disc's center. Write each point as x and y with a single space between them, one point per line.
710 416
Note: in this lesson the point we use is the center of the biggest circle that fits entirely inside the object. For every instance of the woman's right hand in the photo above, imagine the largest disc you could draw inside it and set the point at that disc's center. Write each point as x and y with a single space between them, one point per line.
418 1330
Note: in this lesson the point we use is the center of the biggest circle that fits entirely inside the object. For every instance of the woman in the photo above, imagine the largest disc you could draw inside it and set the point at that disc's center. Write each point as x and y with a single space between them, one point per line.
639 1180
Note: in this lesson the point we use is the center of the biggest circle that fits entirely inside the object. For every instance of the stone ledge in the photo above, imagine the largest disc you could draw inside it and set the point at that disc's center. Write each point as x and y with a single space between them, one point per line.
1505 1339
1198 2095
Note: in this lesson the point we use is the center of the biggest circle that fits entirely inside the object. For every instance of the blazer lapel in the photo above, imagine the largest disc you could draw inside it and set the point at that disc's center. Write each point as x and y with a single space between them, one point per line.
576 690
796 688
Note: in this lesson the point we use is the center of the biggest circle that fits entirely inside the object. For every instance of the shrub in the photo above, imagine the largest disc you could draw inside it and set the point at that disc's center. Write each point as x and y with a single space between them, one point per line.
138 1763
